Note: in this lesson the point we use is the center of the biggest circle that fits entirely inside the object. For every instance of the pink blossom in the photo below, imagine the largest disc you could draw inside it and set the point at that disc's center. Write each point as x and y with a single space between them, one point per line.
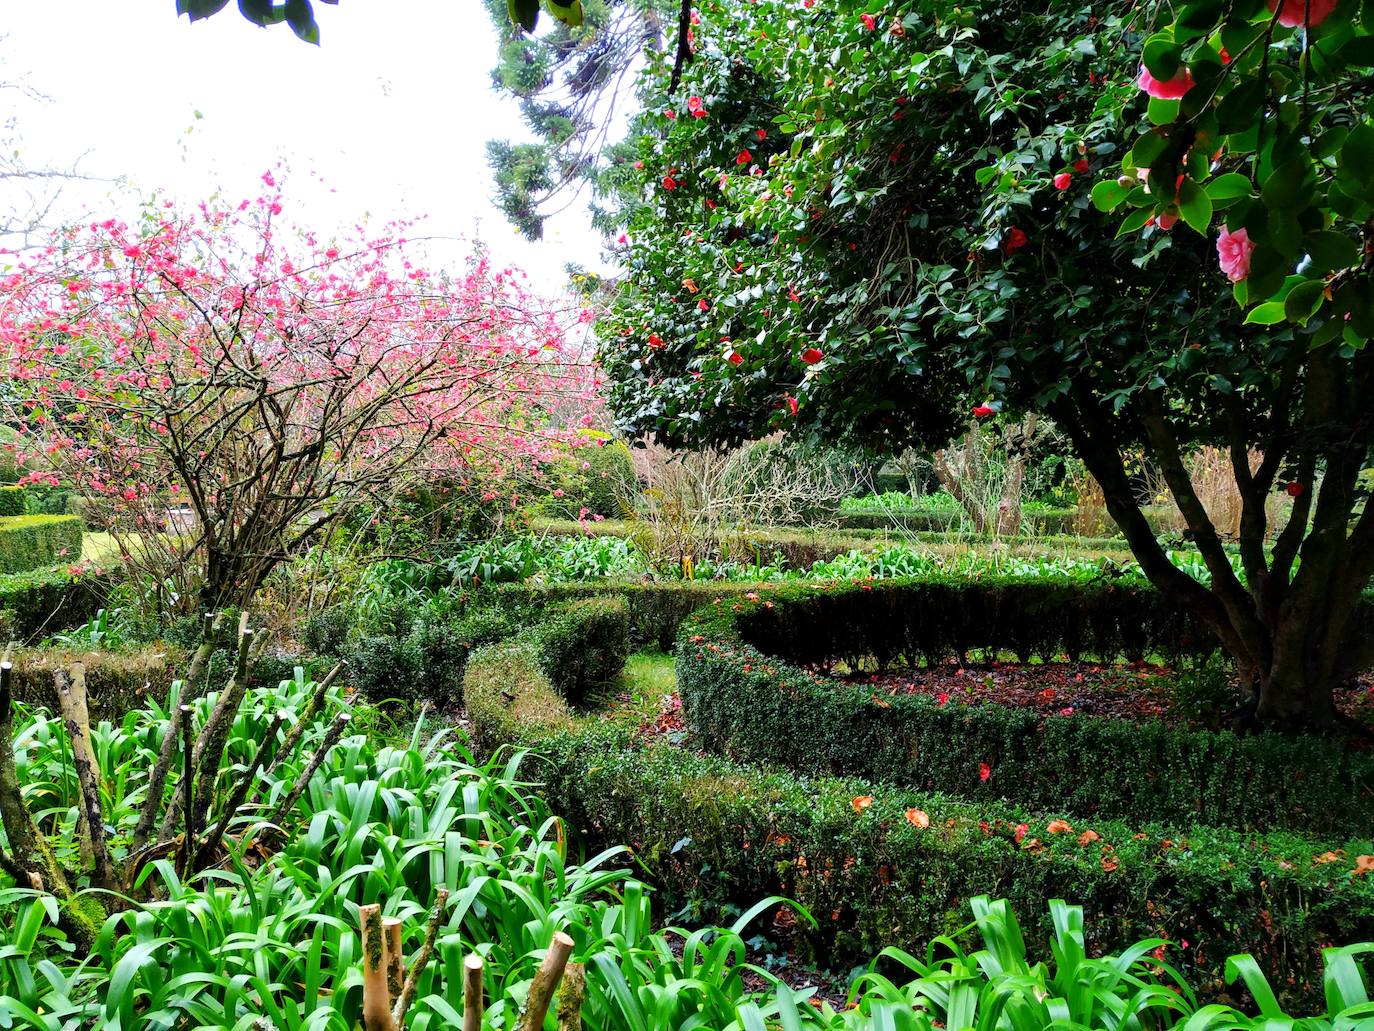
1165 89
1062 180
1293 13
1233 252
869 21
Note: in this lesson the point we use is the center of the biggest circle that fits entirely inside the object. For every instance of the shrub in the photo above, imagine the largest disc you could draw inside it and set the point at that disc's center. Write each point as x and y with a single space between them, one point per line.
12 501
598 475
326 633
43 600
31 542
583 646
741 697
427 662
116 682
656 608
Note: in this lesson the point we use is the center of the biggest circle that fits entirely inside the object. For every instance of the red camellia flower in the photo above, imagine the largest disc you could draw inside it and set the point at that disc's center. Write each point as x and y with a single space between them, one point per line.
761 133
1062 180
1016 239
734 358
1165 89
1081 165
702 305
694 105
622 239
811 356
983 411
984 771
655 341
870 23
670 114
1293 13
743 157
1020 833
792 404
669 183
1295 489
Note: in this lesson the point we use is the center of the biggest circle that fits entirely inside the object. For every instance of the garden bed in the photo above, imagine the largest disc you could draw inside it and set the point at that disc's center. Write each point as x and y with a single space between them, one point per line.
1139 692
752 675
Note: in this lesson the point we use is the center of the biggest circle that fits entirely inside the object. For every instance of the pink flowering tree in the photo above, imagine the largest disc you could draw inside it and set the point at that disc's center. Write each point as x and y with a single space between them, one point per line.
872 221
221 389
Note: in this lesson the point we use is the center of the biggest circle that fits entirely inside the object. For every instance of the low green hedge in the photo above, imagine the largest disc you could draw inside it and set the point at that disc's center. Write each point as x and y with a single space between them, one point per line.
582 646
115 681
744 695
713 832
656 608
11 501
531 680
31 542
1038 522
43 601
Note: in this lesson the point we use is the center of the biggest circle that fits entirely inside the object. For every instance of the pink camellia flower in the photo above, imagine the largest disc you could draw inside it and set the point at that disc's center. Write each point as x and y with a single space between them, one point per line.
870 23
1165 89
1233 251
1293 13
1062 180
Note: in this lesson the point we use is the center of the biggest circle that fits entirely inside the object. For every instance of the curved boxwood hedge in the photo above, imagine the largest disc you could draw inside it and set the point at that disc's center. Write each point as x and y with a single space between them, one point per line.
879 866
31 542
742 698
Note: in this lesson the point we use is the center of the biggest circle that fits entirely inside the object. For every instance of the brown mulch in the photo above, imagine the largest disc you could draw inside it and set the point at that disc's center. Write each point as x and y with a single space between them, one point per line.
1139 691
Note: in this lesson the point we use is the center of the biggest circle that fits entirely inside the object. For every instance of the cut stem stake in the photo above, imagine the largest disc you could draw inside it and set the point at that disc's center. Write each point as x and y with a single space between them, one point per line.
570 997
546 981
376 998
472 992
395 976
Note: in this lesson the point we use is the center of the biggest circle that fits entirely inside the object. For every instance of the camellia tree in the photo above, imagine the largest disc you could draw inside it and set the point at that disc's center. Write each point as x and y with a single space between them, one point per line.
221 390
881 221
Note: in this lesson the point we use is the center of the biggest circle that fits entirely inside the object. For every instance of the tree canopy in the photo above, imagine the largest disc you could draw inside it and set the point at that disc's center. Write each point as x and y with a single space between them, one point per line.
880 222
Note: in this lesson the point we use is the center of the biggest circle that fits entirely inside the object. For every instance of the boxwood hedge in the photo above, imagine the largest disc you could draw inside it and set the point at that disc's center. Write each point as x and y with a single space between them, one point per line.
880 866
42 601
746 694
31 542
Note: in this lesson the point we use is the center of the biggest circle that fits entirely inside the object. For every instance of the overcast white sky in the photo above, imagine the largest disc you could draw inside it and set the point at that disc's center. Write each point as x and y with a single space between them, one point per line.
392 112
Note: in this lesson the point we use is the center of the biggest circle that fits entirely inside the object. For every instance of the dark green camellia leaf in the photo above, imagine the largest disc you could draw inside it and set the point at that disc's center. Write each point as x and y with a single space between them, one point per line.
301 18
1228 188
1195 206
1303 300
1240 107
1330 251
199 9
1162 56
524 13
262 12
1197 19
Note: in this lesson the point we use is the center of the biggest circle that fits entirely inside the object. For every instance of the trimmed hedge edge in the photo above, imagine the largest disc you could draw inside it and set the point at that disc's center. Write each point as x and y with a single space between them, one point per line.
880 867
743 699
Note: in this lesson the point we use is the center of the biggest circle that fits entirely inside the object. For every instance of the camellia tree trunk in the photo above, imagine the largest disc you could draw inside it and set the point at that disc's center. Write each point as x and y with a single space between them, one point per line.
1293 614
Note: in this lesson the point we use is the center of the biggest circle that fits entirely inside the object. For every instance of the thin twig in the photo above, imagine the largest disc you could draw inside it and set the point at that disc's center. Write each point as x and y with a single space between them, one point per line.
417 966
